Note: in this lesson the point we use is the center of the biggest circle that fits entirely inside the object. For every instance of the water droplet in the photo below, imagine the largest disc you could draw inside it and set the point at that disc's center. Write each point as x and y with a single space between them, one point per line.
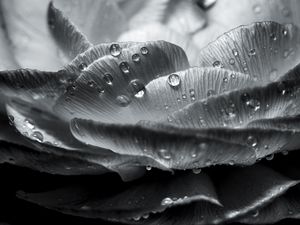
284 32
196 170
231 162
11 119
253 103
91 83
251 141
124 67
285 152
140 94
273 36
115 50
183 96
270 157
174 80
225 79
82 66
38 136
123 100
235 52
108 78
148 168
233 76
146 216
166 201
231 61
165 154
255 213
136 218
256 8
217 64
210 93
136 58
144 51
252 52
29 124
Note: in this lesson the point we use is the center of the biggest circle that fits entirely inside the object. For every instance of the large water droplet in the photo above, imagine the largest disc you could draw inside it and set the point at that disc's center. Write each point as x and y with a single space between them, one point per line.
124 67
197 170
217 64
270 157
115 50
174 80
148 168
235 52
123 100
140 94
38 136
82 66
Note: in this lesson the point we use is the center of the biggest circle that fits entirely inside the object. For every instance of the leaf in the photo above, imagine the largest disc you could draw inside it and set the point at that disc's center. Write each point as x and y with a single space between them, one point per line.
264 50
107 86
157 31
168 146
36 87
139 199
27 28
226 15
66 34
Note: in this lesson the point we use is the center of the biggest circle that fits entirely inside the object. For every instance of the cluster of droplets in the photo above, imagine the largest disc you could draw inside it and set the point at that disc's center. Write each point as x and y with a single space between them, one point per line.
168 201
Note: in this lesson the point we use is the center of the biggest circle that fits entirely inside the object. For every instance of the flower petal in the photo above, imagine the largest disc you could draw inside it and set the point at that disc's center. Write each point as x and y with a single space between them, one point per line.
286 206
107 86
265 50
156 31
66 35
238 108
167 94
240 191
33 46
103 22
168 146
37 87
226 15
139 199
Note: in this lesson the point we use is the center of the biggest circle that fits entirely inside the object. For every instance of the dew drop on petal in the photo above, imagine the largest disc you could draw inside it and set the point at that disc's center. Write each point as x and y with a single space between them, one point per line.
136 58
252 52
270 157
251 141
273 36
82 66
273 74
140 94
197 170
123 100
174 80
108 78
144 51
217 64
124 67
115 50
255 213
28 124
165 154
231 61
166 201
38 136
235 52
148 168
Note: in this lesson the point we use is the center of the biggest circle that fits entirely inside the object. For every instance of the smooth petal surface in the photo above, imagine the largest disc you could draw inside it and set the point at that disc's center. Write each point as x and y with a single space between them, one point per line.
168 146
27 28
157 31
6 57
70 40
138 200
105 89
265 50
225 15
36 87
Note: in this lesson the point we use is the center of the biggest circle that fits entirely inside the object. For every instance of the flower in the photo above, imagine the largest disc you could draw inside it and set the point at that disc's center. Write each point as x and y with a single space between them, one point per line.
128 107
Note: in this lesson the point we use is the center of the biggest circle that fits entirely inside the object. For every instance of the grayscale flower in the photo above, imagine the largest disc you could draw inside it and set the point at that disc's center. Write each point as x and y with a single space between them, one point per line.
205 119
